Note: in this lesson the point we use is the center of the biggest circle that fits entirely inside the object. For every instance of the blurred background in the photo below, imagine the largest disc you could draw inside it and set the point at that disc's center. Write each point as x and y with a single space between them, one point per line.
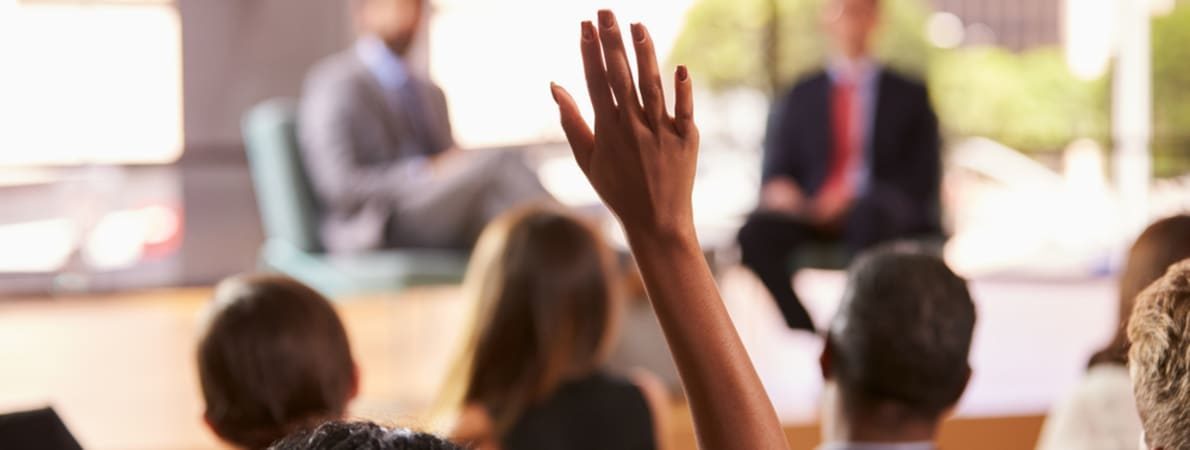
121 151
127 193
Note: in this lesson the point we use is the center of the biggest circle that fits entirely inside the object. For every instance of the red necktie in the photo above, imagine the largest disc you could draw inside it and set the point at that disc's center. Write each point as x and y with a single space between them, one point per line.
843 132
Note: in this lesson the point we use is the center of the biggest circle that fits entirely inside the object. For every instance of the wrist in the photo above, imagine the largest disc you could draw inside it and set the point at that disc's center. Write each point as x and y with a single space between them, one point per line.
678 236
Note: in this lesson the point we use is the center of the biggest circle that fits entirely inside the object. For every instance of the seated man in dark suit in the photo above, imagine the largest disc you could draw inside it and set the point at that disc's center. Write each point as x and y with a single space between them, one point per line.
377 146
851 153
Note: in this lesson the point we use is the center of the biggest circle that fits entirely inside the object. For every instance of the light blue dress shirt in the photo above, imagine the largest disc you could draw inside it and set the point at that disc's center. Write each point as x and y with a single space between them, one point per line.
392 75
865 74
386 66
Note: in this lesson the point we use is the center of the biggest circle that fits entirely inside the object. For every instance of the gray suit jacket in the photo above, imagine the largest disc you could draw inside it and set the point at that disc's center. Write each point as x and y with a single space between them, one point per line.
361 151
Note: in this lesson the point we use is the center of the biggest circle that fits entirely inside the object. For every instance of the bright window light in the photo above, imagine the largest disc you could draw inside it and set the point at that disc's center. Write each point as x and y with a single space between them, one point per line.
945 30
1088 28
90 82
496 73
38 246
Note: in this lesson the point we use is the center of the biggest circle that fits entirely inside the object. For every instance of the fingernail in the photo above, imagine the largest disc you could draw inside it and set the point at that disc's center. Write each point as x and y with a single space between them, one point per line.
554 91
606 19
588 31
638 33
682 73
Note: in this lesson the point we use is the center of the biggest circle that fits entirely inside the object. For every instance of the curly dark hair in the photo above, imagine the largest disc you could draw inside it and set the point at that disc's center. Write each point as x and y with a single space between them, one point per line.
357 435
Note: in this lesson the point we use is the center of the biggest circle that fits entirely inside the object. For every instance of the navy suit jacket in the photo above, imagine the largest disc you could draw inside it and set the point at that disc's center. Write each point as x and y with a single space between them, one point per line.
902 151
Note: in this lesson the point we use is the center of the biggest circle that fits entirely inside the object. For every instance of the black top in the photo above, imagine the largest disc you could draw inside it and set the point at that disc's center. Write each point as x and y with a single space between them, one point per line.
599 412
35 430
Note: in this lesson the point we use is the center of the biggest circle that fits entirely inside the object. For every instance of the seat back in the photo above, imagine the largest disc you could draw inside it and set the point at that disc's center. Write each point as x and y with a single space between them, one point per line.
288 207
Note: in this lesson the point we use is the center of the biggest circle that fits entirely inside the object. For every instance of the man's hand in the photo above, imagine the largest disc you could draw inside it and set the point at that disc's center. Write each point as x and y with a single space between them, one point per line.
831 205
639 159
781 194
445 162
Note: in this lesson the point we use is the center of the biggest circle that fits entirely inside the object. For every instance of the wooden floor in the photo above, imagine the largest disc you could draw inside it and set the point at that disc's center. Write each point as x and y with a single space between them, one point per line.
120 369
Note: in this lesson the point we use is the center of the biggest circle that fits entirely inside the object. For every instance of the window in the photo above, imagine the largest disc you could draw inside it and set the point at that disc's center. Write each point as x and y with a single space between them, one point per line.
496 64
89 82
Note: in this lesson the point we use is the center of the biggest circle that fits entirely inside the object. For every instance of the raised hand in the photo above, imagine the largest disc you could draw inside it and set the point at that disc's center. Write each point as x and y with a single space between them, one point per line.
640 159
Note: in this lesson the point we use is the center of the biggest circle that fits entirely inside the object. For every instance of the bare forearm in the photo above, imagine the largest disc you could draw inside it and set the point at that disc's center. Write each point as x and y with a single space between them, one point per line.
729 404
642 163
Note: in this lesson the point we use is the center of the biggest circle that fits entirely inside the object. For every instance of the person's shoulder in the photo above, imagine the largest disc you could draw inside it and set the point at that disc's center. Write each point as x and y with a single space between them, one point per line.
1098 413
427 84
474 426
628 400
340 67
635 389
902 80
602 384
904 90
1110 378
805 86
602 379
1104 388
333 84
815 79
652 390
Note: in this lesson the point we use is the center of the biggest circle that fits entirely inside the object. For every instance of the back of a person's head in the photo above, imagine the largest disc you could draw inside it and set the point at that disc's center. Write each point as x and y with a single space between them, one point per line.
1160 359
902 335
273 357
340 435
546 310
1162 244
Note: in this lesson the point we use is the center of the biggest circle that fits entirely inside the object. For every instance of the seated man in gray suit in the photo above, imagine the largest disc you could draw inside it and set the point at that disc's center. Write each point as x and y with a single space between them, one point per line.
377 146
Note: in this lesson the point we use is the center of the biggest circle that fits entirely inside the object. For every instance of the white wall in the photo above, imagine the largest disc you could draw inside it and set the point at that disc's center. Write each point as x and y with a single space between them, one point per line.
239 52
495 60
89 83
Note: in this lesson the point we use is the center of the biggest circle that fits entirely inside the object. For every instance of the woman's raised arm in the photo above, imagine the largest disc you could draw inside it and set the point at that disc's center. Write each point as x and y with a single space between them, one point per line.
642 162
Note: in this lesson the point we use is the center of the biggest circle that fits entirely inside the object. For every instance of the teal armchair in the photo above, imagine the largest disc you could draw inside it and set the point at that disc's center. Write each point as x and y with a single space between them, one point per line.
289 212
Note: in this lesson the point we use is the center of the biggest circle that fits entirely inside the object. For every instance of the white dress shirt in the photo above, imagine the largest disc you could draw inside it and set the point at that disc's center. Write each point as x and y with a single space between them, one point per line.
1100 414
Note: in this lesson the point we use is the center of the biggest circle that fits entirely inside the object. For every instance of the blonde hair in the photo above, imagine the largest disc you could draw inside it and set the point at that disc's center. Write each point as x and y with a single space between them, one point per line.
546 311
1160 358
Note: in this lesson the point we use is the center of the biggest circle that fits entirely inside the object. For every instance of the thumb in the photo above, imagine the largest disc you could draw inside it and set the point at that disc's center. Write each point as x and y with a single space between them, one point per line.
578 133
